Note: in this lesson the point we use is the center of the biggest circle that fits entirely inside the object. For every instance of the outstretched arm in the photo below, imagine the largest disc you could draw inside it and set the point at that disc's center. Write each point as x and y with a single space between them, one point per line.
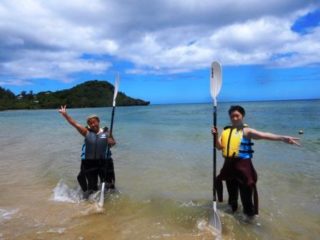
254 134
81 129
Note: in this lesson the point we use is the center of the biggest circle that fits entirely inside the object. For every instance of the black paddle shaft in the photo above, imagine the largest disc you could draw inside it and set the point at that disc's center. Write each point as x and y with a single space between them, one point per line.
110 134
112 117
111 127
214 152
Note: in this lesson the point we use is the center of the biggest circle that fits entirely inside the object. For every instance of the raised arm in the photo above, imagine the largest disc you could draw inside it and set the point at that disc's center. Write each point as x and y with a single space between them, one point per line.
81 129
254 134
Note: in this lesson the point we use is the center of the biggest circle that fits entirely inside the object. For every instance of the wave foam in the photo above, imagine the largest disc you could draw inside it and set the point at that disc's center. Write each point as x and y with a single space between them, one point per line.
56 230
63 193
189 204
204 226
7 214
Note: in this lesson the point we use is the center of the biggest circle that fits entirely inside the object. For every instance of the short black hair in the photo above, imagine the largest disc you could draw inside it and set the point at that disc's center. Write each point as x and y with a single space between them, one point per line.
237 108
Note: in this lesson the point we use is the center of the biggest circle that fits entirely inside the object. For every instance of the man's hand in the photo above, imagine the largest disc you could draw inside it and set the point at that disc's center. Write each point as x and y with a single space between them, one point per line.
111 141
63 110
214 131
291 140
82 130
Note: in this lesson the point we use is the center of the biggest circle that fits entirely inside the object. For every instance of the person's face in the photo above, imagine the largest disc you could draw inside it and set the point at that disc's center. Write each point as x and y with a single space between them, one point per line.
94 124
236 118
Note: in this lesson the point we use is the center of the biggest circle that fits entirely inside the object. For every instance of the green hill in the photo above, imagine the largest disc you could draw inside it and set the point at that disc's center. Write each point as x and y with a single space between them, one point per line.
7 98
89 94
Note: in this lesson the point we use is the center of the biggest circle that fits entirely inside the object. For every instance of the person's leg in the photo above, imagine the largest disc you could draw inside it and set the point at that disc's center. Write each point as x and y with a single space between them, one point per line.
246 199
110 175
103 171
92 171
233 191
82 179
94 180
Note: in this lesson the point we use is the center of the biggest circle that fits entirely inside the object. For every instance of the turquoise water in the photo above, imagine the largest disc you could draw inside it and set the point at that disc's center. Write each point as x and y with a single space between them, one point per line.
163 164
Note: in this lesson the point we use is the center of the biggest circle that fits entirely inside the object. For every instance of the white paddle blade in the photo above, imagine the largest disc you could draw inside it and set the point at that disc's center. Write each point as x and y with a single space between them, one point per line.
101 200
116 89
215 79
215 223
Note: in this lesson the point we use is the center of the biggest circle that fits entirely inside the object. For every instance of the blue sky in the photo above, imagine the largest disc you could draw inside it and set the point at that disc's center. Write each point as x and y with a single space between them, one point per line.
163 50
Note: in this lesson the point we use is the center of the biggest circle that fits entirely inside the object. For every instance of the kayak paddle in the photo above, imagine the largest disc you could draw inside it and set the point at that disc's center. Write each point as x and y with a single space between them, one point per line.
215 86
115 93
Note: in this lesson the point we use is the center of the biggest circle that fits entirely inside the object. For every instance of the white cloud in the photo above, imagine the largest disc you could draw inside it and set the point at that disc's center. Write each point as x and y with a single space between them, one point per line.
15 82
251 42
47 39
52 65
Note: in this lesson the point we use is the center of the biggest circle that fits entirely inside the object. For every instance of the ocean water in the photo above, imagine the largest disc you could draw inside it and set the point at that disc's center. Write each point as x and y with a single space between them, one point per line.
163 164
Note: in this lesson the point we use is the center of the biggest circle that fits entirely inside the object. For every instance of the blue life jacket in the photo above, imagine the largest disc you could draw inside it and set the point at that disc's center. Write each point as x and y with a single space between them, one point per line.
95 146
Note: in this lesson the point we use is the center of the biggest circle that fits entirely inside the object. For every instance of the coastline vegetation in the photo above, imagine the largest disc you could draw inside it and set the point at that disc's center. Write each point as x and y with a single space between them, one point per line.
88 94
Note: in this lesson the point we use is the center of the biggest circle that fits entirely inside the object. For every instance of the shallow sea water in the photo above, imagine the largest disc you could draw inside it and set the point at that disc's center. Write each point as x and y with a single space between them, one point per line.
163 164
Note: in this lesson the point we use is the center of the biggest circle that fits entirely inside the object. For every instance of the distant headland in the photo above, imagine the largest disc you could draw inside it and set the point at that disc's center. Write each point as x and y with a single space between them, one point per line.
88 94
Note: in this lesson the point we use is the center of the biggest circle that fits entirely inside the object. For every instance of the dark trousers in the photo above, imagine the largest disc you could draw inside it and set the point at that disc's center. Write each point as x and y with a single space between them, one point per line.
246 194
88 176
110 177
233 192
90 170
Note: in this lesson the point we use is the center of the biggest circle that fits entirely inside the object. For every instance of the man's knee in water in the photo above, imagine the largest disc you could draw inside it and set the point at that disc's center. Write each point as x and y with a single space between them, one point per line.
82 181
